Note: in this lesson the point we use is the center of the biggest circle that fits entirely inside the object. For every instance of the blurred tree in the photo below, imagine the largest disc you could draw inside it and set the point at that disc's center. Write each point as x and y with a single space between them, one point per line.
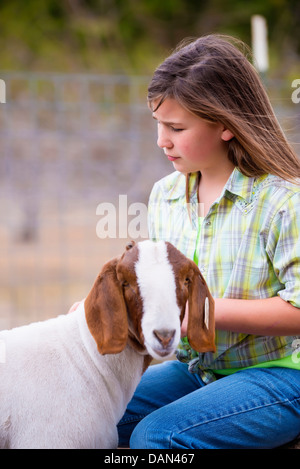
130 35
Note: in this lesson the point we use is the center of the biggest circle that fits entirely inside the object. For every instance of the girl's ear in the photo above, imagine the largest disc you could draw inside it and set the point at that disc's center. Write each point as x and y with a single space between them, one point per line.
227 135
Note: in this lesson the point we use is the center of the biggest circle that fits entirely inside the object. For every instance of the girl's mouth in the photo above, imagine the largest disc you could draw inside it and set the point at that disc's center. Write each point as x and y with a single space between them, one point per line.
172 158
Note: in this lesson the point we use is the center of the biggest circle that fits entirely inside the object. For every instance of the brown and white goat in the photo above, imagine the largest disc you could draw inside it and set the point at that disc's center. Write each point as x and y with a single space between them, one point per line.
58 391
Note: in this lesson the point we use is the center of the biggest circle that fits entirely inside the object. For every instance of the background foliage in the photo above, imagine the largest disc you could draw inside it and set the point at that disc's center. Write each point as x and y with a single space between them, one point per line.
132 36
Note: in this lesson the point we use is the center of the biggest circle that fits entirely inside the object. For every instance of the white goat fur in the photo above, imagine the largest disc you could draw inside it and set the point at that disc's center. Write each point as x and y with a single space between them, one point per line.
58 391
157 287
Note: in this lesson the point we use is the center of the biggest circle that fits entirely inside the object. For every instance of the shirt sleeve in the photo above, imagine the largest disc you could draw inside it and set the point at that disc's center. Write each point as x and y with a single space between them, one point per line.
283 248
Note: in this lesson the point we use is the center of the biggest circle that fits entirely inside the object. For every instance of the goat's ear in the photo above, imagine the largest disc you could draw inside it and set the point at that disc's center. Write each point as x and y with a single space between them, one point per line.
201 319
105 311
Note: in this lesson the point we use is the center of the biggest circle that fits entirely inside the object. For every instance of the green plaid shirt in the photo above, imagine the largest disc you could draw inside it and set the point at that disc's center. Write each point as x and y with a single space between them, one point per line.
248 247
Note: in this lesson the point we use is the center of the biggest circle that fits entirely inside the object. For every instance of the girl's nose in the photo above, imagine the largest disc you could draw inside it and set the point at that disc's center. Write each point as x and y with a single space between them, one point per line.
162 139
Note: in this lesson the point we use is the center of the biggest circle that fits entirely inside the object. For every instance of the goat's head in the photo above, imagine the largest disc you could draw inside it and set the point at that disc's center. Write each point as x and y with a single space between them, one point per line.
140 298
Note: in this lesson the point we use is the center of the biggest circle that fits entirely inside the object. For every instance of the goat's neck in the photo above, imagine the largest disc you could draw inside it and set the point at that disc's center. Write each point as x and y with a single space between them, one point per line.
135 344
127 366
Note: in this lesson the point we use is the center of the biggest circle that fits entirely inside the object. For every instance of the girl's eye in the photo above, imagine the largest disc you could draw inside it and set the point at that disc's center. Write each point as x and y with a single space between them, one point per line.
175 130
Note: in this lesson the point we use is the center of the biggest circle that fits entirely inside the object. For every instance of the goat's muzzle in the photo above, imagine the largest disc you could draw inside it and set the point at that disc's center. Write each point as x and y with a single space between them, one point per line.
165 339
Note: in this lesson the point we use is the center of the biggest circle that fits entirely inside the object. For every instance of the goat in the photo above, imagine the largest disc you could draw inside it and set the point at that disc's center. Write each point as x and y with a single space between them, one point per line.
58 391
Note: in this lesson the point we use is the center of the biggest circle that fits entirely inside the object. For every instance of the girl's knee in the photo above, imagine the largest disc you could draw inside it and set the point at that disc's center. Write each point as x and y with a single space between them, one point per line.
150 434
138 439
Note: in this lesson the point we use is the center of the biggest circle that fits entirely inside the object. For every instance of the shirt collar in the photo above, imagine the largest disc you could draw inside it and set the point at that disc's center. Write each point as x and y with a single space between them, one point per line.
243 186
237 184
178 187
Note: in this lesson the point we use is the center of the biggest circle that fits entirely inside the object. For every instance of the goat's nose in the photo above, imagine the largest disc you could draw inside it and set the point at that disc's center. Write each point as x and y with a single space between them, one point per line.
165 336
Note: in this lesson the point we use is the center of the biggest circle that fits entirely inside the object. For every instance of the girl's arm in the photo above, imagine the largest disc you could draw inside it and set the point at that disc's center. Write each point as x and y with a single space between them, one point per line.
270 316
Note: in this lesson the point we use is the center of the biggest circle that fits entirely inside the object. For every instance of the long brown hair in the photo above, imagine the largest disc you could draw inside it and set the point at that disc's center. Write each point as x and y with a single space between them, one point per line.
212 78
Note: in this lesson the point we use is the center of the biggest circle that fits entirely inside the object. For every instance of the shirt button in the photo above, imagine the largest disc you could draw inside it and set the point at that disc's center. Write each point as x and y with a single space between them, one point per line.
208 223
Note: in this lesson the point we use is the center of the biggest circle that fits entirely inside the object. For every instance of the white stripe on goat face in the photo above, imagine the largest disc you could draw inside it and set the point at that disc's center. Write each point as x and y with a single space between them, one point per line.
161 314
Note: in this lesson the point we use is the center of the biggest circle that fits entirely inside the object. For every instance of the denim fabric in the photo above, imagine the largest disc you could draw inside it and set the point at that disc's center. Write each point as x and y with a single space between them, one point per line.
172 408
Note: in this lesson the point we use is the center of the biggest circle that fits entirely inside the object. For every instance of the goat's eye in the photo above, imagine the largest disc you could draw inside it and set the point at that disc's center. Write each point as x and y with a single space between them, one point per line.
187 281
125 283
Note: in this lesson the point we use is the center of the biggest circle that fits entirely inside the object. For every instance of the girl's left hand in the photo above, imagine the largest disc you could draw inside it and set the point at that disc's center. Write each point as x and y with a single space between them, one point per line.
75 306
185 321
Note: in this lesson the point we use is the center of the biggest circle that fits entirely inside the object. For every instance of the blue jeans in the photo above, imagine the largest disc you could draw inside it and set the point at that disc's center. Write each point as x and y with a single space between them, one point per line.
172 408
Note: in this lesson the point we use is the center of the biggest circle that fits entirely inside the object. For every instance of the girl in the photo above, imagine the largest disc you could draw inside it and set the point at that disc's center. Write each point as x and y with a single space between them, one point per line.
231 205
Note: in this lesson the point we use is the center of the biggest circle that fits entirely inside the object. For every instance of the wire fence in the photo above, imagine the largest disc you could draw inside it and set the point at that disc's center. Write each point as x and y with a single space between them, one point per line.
68 143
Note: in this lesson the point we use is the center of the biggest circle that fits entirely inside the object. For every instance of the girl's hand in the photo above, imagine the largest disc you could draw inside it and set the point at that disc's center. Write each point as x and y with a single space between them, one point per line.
75 306
185 321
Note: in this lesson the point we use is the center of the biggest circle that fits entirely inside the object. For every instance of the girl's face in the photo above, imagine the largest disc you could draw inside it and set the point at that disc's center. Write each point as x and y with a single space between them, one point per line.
191 143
